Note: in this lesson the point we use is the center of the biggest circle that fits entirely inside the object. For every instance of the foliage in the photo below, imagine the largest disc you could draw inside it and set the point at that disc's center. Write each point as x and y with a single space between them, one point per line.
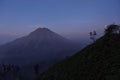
112 28
36 69
92 35
9 72
98 61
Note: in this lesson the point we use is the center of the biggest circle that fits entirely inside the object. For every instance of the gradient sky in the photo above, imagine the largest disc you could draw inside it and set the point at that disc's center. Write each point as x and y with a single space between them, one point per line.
69 18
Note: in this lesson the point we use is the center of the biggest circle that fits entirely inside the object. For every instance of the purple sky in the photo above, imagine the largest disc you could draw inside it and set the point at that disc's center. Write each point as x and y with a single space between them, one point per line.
70 18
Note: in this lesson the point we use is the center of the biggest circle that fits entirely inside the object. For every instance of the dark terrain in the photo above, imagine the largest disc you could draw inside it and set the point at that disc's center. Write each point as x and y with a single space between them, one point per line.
98 61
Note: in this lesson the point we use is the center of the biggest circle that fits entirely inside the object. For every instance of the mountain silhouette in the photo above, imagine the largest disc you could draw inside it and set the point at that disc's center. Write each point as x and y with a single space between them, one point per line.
41 45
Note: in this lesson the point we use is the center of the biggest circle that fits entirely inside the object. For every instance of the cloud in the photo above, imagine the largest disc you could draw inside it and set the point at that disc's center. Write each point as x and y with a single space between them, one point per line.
36 26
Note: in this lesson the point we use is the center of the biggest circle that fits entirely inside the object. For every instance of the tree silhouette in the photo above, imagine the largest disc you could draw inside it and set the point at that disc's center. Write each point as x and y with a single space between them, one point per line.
112 29
36 69
92 36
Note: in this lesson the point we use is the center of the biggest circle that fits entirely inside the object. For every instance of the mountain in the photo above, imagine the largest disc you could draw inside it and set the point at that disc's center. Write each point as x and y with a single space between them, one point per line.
98 61
40 46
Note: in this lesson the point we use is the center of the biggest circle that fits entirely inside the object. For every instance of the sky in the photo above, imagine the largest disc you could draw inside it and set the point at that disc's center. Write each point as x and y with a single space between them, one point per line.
70 18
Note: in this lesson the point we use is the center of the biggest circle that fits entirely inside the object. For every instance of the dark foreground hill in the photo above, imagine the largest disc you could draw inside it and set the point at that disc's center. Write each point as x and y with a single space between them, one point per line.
98 61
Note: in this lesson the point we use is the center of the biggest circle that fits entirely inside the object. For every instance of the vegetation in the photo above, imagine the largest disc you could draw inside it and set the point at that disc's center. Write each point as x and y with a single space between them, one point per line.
98 61
9 72
112 29
36 69
92 36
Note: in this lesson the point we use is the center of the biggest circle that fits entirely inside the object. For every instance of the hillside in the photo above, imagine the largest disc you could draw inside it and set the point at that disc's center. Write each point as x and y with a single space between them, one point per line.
98 61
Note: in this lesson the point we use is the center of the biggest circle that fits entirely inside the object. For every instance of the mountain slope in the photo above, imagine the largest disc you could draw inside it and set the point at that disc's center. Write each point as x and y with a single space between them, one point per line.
98 61
40 45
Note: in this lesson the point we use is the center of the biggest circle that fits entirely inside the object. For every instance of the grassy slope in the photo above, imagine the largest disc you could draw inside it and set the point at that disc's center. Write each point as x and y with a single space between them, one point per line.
98 61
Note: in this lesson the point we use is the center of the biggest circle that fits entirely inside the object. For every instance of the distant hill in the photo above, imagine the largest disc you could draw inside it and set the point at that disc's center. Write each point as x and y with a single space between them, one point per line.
41 44
98 61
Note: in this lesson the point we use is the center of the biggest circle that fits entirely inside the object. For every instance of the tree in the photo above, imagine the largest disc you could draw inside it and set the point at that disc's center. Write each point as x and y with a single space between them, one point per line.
93 36
112 29
36 69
